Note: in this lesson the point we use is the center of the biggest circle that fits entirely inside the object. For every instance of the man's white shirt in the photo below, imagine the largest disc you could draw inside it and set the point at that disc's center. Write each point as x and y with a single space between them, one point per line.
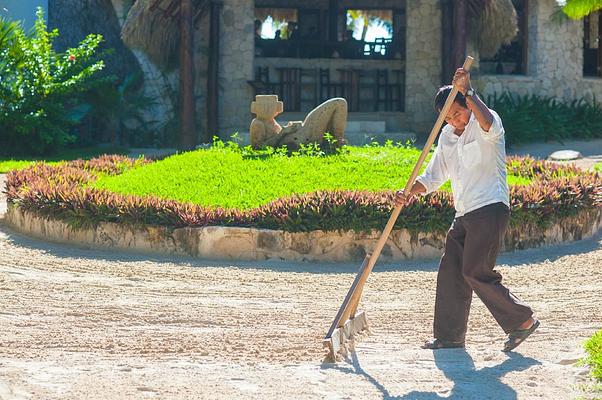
475 162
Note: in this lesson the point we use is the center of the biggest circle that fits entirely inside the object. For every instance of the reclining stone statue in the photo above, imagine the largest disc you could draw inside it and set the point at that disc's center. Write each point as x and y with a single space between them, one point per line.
330 116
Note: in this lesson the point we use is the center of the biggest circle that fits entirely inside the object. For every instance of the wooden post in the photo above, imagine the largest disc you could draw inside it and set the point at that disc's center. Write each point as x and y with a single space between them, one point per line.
333 20
524 31
447 40
599 66
460 36
213 73
188 136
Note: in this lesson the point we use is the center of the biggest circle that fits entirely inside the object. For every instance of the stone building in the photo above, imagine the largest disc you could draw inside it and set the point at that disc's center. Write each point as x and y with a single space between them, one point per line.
550 56
386 58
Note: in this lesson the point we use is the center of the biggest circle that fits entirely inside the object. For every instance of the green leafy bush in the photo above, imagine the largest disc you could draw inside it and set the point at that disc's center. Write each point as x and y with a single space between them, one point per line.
40 89
532 118
593 347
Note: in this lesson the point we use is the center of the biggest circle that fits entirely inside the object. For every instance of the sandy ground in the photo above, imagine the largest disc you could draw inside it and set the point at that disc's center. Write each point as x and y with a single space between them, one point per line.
79 323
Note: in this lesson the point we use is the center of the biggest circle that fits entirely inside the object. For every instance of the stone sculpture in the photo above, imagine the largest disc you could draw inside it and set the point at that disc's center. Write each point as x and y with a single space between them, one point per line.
330 116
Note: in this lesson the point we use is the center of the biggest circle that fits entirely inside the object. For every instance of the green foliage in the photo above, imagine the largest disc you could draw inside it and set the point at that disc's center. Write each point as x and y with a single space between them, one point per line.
577 9
67 191
86 153
598 167
118 110
537 118
227 175
593 347
40 89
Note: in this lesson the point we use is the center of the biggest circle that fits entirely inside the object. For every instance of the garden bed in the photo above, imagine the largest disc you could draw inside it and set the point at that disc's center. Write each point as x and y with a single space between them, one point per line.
550 203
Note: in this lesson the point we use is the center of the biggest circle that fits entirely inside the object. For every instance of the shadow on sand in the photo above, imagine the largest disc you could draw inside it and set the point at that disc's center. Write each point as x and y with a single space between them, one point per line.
457 366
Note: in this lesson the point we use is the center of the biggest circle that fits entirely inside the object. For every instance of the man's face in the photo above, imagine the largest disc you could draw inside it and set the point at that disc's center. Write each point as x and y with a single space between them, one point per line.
458 116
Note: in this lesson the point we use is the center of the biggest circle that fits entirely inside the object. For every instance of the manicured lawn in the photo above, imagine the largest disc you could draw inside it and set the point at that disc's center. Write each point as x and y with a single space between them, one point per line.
230 178
7 164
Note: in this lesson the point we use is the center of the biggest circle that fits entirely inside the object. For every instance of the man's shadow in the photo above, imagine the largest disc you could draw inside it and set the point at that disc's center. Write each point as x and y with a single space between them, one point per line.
458 366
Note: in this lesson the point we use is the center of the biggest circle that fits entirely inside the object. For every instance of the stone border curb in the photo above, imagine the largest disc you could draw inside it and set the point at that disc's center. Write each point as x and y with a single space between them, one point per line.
250 244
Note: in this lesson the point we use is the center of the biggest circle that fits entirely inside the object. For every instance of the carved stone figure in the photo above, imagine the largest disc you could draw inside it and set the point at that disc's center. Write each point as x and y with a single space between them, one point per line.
330 116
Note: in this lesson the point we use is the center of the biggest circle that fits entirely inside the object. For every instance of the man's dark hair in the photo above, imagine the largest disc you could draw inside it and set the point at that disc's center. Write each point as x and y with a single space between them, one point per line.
442 94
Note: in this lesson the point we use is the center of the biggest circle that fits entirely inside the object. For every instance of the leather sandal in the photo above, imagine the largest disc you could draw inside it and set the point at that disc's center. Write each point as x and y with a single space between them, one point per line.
435 344
518 336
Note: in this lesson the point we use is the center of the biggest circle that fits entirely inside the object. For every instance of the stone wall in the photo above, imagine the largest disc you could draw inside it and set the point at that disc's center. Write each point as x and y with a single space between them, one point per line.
555 61
423 63
423 68
233 243
237 48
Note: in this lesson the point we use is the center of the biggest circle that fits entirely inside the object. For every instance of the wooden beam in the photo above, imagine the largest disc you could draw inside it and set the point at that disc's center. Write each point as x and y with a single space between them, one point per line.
525 34
187 107
599 67
460 34
447 40
213 73
333 20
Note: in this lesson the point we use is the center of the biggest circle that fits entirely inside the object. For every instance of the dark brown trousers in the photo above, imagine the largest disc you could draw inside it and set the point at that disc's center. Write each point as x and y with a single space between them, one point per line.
471 248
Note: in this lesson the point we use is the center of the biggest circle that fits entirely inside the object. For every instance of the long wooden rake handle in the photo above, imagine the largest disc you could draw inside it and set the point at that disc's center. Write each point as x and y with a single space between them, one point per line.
349 306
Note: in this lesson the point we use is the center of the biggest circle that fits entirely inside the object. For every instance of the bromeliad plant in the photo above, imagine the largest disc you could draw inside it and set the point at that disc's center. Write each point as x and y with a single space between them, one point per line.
65 191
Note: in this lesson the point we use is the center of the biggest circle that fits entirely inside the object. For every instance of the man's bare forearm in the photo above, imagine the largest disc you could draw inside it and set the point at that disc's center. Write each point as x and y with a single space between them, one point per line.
480 111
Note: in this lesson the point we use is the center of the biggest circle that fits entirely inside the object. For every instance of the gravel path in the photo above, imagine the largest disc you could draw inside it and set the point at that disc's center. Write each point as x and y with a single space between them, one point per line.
79 323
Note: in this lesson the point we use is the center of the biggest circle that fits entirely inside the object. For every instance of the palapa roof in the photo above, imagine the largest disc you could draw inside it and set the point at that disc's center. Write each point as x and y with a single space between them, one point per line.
153 27
496 24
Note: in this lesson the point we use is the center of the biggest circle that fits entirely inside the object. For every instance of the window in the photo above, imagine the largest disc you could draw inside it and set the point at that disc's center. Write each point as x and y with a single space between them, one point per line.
592 33
368 33
511 58
306 33
275 23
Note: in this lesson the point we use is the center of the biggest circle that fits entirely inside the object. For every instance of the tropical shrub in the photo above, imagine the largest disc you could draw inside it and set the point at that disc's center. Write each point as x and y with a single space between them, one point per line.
40 89
537 118
593 347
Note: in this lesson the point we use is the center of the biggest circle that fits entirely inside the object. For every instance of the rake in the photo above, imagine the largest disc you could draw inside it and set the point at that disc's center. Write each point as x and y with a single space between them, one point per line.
348 322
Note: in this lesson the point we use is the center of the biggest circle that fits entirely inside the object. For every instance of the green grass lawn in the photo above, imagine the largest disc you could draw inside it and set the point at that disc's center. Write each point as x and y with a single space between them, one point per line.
225 177
7 164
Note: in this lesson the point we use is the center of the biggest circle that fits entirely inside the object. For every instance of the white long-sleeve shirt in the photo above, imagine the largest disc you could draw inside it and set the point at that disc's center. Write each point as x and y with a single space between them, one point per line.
475 162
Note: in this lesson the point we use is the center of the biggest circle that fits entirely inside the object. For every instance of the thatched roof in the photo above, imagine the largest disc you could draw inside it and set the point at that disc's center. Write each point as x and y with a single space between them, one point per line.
153 27
496 24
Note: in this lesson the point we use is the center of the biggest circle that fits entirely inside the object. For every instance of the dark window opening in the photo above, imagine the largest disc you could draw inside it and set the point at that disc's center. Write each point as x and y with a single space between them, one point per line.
368 33
304 33
592 34
511 59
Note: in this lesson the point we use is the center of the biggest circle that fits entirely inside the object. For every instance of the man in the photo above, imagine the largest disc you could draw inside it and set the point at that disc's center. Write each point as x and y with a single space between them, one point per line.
471 152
